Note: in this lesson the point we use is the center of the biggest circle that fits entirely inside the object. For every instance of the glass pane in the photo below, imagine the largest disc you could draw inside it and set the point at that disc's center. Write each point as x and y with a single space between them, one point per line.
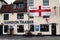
37 27
20 28
46 2
44 27
31 27
6 16
20 16
21 6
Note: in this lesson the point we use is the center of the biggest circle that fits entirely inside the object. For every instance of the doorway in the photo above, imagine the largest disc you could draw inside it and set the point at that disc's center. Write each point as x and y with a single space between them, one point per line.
53 29
1 29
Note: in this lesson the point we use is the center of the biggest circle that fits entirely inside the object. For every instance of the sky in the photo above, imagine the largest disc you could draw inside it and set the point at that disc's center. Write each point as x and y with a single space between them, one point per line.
9 1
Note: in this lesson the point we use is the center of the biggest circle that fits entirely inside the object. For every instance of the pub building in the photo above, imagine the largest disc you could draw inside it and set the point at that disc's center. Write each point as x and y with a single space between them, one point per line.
40 17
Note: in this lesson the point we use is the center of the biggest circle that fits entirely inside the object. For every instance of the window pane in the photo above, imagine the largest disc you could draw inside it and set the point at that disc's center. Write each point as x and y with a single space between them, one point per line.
6 28
37 27
6 16
31 27
31 2
20 16
21 6
14 6
20 28
11 27
44 27
45 2
17 5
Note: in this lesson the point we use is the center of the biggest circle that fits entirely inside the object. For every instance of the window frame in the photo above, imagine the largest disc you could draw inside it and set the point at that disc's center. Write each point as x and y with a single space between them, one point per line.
45 2
6 29
36 28
21 6
14 6
6 15
45 30
31 2
32 28
18 28
19 16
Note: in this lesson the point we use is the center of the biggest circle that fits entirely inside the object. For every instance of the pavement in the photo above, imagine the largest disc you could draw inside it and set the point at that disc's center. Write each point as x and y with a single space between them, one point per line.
7 37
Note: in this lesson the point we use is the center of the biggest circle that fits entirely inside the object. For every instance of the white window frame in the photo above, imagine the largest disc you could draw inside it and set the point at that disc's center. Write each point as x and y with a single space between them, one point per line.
45 3
31 2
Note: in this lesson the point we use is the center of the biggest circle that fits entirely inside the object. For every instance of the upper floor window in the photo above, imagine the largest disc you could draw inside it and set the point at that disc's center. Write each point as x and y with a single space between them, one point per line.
14 6
31 2
20 16
19 5
6 16
45 2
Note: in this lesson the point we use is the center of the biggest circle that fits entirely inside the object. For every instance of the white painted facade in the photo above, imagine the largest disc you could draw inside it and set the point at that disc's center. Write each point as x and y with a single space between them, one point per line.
54 18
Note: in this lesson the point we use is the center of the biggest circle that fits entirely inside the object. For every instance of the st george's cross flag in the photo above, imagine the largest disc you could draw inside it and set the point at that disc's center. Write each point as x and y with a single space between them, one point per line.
40 12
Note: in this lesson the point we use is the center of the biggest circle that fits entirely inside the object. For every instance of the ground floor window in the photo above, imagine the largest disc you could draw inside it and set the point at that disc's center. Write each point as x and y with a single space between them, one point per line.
31 27
37 27
44 27
5 28
20 28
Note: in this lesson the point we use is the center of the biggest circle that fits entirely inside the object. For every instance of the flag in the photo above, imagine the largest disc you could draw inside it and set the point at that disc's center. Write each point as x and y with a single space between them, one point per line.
40 12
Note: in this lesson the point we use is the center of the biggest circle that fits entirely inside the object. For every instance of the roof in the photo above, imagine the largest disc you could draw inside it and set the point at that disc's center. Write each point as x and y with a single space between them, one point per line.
1 0
7 8
18 1
4 1
10 9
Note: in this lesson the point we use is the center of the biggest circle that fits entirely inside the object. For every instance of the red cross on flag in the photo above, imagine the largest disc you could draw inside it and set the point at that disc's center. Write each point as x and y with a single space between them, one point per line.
40 12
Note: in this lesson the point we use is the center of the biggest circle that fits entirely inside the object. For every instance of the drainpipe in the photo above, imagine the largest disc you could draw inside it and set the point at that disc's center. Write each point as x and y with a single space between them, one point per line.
28 12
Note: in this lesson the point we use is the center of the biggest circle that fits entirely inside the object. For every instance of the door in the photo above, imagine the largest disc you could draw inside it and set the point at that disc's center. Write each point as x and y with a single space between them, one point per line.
1 29
54 29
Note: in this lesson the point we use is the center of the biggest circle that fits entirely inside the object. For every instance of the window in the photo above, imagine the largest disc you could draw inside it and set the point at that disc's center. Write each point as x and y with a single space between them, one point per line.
17 5
20 16
20 28
31 27
31 2
45 2
37 27
21 6
46 16
11 27
6 16
44 27
5 28
14 6
31 17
